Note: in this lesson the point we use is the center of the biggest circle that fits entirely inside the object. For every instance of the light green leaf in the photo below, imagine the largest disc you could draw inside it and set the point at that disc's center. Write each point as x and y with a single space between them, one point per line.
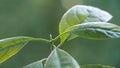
95 30
60 59
81 14
10 46
95 66
37 64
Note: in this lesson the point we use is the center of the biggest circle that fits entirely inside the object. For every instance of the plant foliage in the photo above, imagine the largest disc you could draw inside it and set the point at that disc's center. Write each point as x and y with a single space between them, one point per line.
80 21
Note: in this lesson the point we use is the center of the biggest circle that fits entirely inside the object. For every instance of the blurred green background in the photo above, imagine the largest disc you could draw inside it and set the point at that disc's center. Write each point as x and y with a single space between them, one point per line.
39 18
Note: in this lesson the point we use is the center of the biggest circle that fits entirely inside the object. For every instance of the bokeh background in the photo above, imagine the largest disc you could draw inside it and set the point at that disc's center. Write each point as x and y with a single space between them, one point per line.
39 18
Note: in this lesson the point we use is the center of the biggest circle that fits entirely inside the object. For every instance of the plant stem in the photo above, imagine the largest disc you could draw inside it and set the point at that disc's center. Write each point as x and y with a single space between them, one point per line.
56 38
51 42
41 39
59 45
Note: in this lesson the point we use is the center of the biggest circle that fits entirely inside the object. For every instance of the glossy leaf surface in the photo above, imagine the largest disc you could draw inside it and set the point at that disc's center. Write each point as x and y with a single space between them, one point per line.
10 46
60 59
81 14
95 66
95 30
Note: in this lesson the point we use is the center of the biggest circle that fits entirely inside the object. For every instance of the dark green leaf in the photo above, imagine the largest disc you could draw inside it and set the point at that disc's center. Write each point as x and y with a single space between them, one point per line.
37 64
10 46
81 14
95 66
95 30
60 59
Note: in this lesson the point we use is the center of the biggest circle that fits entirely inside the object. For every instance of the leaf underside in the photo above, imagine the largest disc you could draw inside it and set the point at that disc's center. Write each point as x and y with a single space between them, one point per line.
60 59
81 14
95 30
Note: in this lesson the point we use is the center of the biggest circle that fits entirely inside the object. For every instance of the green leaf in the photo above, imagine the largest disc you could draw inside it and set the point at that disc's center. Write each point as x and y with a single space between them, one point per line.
81 14
37 64
60 59
95 30
10 46
95 66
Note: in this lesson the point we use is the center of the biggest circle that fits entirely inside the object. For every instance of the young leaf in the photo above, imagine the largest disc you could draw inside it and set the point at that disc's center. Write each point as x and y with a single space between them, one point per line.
37 64
81 14
95 30
95 66
60 59
10 46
